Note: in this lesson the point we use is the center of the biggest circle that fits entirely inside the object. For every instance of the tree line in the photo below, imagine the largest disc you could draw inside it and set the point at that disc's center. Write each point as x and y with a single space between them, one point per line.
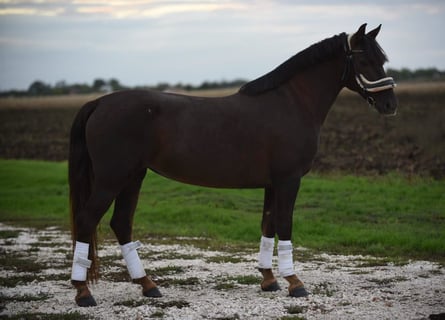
405 74
40 88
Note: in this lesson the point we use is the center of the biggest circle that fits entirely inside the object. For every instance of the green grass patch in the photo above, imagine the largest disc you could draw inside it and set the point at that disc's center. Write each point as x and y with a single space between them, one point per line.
48 316
247 280
384 215
166 282
9 234
26 298
34 193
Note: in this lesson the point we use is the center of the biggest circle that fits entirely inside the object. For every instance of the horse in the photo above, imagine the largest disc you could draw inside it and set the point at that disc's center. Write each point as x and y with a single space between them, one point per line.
263 136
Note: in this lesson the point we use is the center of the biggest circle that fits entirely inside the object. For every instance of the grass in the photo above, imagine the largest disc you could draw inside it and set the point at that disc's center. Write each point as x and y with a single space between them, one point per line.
48 316
383 215
34 193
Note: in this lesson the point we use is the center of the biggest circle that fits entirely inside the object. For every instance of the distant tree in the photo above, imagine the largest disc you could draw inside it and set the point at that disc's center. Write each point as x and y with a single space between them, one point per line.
61 87
39 88
115 85
80 88
61 84
98 84
428 74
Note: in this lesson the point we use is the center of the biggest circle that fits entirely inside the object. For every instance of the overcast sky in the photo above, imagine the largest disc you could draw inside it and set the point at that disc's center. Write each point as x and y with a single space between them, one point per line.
146 42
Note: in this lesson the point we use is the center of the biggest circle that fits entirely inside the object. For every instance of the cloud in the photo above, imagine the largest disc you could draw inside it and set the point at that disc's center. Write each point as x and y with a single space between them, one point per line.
31 11
114 9
155 9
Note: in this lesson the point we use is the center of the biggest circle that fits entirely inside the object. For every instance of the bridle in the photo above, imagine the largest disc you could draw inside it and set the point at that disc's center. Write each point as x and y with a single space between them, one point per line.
366 86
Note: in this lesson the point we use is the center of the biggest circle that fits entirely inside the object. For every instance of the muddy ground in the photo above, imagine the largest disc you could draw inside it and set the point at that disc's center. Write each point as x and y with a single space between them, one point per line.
354 139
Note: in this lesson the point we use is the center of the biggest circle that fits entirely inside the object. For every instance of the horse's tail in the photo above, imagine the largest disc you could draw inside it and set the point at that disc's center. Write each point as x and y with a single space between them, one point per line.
80 179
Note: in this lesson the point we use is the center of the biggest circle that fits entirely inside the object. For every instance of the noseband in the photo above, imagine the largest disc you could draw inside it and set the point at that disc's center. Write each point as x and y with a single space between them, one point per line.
364 84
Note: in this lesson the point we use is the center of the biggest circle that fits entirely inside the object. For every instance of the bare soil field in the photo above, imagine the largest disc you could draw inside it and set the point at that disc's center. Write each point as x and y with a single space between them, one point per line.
202 283
354 138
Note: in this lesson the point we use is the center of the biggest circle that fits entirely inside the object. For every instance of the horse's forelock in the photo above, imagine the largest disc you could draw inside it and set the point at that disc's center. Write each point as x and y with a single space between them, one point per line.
372 47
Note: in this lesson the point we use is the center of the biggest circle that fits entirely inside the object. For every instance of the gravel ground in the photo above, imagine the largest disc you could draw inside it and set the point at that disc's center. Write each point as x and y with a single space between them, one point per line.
201 283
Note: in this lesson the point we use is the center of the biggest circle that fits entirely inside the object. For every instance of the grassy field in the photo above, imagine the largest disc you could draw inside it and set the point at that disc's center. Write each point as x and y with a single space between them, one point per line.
381 215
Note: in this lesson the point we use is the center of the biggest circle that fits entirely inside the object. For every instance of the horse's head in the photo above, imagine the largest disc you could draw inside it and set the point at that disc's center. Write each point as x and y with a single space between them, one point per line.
364 71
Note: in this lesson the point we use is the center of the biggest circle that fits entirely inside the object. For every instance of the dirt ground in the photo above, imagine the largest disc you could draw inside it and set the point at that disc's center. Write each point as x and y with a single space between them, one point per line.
202 283
354 138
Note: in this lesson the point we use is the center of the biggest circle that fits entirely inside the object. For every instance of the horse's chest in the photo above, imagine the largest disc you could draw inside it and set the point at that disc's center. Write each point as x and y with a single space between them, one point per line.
294 155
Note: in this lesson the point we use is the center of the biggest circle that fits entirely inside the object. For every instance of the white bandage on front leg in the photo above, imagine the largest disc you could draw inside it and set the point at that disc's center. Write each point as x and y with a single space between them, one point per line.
285 258
80 261
266 253
132 259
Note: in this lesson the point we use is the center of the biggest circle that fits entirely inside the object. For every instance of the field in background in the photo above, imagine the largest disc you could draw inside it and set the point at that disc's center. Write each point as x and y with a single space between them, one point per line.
354 138
387 216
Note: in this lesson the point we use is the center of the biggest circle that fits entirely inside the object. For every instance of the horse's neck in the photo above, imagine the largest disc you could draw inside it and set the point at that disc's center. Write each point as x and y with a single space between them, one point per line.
316 88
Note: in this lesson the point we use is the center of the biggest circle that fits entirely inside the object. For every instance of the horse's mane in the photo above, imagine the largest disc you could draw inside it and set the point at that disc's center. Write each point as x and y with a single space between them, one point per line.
318 52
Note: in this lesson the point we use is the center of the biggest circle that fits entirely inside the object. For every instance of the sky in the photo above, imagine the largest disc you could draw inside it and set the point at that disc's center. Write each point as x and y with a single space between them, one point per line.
145 42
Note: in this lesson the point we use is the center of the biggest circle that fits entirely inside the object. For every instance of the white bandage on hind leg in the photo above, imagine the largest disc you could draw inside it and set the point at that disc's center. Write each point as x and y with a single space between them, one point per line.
132 259
266 253
80 262
285 258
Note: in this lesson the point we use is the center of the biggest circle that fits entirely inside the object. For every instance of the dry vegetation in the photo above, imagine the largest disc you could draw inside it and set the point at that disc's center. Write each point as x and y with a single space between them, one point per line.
353 138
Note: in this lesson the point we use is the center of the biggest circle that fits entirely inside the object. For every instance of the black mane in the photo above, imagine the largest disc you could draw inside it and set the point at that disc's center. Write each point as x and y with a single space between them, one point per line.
316 53
375 50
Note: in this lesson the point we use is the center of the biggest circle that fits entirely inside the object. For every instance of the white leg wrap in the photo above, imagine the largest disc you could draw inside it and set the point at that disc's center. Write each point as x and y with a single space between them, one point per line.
285 259
266 253
80 262
132 259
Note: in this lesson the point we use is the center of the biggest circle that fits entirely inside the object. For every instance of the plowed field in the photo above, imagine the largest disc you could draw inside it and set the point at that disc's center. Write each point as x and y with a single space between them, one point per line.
354 138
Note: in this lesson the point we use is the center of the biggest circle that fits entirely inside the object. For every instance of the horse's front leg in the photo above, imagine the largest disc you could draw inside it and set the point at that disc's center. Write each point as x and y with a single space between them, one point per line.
285 194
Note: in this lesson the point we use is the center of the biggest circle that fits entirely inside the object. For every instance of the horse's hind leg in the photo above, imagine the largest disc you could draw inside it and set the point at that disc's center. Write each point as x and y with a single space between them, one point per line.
86 223
267 243
122 225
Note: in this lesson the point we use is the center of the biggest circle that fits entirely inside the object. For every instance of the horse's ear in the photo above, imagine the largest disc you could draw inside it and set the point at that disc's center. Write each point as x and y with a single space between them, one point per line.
361 31
373 34
358 36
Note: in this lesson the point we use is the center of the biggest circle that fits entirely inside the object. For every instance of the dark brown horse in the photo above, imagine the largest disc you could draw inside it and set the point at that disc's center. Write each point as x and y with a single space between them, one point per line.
264 136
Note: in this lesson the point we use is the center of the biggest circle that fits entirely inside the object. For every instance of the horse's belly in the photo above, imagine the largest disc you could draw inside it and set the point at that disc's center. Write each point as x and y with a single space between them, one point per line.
220 172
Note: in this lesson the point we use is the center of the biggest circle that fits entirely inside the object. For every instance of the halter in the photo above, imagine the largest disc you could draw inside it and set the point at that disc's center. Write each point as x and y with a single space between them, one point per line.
364 84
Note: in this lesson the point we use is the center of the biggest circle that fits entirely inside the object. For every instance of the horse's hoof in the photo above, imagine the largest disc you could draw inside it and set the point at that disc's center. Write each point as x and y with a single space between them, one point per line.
298 292
272 287
86 302
152 293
